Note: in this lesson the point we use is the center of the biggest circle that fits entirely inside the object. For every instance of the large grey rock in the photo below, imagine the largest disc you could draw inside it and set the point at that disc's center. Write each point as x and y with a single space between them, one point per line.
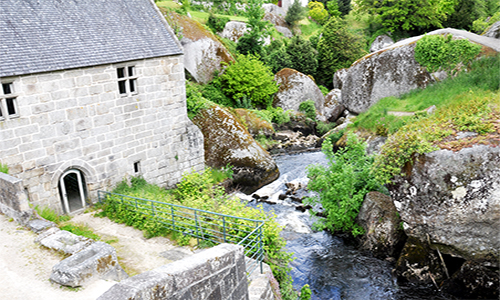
381 42
493 31
62 240
284 30
393 71
338 78
274 9
381 74
234 30
203 53
452 199
227 141
97 261
295 88
333 108
279 23
380 219
38 225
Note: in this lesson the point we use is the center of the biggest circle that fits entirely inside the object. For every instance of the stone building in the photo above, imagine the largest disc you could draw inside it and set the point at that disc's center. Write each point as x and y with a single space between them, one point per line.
92 92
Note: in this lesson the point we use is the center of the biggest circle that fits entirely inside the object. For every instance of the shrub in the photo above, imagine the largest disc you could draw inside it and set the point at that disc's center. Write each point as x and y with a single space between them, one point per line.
324 127
308 108
342 185
249 77
295 13
479 26
51 215
194 100
216 23
213 93
4 169
442 52
301 56
318 12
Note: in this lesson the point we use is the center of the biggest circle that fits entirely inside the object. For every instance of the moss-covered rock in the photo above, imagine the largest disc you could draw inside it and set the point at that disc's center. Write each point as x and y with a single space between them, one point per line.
255 125
227 141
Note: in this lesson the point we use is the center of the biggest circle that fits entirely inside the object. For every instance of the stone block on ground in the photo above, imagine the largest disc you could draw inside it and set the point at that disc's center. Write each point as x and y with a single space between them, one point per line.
38 225
95 261
62 240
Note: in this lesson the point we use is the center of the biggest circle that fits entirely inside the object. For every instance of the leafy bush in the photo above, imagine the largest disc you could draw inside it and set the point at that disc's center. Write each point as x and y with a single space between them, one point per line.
324 127
479 26
51 215
439 52
308 108
301 56
249 77
213 93
318 12
295 13
342 185
194 100
217 23
275 57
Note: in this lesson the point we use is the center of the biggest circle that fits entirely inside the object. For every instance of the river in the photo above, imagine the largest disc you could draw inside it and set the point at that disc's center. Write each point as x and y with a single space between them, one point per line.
332 266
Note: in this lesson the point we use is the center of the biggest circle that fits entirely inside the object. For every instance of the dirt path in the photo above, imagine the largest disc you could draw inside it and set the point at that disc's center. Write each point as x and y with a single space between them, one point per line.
26 267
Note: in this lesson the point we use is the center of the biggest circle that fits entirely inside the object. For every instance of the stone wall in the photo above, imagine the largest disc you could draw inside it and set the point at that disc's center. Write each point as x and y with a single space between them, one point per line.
215 273
77 119
13 199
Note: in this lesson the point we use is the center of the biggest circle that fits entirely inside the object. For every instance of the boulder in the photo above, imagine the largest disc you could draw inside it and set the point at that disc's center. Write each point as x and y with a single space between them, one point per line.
227 141
493 31
203 53
255 125
234 30
381 42
285 31
97 261
279 23
452 199
295 88
380 219
38 225
474 281
393 71
338 78
333 108
274 9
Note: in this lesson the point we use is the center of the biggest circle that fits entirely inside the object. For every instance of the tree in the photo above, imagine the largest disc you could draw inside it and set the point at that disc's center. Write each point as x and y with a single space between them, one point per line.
248 77
414 16
333 8
276 57
295 13
466 12
337 48
344 7
251 42
301 56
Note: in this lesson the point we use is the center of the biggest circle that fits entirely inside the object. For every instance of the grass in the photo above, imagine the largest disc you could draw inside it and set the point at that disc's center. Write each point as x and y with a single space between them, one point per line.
51 215
309 28
482 77
81 230
196 15
4 169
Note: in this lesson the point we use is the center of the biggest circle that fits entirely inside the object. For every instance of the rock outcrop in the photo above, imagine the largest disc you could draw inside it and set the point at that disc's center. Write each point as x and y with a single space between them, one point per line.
295 88
234 30
279 23
203 53
338 78
227 141
255 125
452 200
493 31
381 42
380 219
333 108
393 71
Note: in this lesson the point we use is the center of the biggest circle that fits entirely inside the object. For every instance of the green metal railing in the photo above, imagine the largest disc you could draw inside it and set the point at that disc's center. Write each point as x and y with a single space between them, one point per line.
200 224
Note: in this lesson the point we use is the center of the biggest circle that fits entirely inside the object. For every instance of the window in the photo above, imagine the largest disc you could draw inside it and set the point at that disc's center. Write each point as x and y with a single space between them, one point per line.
8 102
127 80
137 167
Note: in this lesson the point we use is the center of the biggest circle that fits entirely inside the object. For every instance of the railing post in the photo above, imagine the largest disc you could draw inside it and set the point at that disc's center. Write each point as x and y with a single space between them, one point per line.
197 231
224 227
260 250
153 208
173 219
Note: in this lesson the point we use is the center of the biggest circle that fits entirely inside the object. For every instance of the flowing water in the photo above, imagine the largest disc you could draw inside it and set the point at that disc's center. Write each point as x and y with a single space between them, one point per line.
331 265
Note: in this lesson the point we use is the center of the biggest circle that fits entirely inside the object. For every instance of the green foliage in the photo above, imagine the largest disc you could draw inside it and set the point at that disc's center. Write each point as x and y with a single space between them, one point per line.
469 111
318 12
276 58
411 15
333 8
324 127
194 100
480 25
338 48
249 77
4 169
200 191
81 230
465 13
217 23
344 7
324 90
250 43
301 56
335 136
442 52
295 13
308 108
305 292
213 93
342 185
51 215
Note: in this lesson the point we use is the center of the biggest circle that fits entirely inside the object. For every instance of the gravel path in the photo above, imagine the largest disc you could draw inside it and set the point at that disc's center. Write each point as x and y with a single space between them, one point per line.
26 267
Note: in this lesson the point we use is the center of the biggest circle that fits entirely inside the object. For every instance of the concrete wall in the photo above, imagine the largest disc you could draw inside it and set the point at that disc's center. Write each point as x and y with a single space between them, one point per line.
13 199
77 119
215 273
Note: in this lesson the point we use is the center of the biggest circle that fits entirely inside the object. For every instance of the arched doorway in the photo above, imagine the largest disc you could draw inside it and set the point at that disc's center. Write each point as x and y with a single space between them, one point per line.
73 190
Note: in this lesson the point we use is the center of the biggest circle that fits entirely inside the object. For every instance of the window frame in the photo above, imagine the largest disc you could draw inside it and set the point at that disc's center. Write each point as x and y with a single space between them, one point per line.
5 97
126 76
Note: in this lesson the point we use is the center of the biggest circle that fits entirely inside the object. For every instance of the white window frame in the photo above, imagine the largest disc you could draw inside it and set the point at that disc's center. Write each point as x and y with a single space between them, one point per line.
4 97
127 80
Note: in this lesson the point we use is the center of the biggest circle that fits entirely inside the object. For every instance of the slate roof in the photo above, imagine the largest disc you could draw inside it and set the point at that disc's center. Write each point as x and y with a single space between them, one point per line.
48 35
